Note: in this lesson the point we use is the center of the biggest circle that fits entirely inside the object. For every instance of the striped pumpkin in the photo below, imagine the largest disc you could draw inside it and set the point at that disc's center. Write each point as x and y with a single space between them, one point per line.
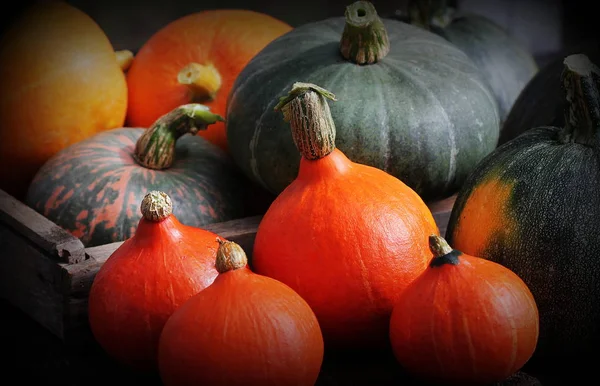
93 188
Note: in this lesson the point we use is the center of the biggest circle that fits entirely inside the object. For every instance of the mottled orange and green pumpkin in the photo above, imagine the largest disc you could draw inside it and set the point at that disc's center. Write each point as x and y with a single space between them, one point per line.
533 205
93 188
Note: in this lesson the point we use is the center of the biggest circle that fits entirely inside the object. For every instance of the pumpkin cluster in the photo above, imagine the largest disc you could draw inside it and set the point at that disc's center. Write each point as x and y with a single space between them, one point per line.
340 133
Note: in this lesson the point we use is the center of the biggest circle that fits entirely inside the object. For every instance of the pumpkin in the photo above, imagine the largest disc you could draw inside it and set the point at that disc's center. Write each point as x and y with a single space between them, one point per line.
146 279
506 63
413 105
541 103
465 320
244 329
345 236
92 187
196 58
533 206
57 62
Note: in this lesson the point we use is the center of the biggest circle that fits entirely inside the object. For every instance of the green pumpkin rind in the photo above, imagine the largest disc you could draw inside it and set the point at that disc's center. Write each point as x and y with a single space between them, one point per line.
94 188
541 102
423 113
506 63
550 235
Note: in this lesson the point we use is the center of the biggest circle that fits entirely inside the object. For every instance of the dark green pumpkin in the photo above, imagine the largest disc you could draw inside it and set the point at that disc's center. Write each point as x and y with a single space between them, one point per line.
421 111
93 188
505 62
533 205
541 102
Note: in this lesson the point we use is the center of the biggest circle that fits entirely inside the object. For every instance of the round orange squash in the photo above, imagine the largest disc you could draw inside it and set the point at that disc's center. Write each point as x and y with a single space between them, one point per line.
60 82
196 58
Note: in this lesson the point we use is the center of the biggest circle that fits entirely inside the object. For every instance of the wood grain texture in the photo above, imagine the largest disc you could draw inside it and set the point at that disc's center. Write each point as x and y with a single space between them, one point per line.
40 232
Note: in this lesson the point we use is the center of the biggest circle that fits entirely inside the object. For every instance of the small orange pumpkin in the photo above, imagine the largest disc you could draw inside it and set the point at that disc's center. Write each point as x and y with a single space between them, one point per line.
61 82
244 329
146 279
465 320
196 58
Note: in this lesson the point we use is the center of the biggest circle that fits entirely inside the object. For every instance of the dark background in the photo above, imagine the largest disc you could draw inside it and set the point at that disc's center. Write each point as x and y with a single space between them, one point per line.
544 26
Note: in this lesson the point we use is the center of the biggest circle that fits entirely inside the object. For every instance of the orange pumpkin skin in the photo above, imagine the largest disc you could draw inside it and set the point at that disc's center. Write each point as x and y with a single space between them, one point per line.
244 329
344 236
465 320
227 39
143 282
61 83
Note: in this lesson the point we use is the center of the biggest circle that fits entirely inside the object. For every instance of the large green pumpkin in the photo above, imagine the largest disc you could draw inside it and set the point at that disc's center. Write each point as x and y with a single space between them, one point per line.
505 62
541 103
410 103
533 205
93 188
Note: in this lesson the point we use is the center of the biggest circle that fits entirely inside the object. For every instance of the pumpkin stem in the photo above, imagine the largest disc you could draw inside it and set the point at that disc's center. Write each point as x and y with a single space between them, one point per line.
230 256
365 39
442 252
429 14
581 81
155 149
124 58
202 81
156 206
313 129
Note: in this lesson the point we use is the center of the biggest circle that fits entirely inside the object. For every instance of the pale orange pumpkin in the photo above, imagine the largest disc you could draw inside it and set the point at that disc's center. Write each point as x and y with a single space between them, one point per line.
61 83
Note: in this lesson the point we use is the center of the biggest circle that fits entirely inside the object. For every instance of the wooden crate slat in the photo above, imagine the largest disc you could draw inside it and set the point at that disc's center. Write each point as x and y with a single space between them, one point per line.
31 281
46 235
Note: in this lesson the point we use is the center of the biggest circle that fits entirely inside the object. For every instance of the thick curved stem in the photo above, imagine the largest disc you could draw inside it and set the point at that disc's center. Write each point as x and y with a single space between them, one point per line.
124 58
365 39
313 129
155 149
203 81
581 82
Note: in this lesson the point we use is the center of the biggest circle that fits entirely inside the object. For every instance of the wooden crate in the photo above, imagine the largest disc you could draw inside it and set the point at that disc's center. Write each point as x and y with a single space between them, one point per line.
47 272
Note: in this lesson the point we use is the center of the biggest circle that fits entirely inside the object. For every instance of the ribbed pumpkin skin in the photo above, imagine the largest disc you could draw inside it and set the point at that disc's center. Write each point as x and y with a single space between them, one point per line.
423 113
506 64
541 103
94 188
533 206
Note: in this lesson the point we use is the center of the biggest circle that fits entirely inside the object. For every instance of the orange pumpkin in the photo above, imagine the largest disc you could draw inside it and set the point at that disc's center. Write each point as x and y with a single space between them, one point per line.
146 279
465 320
196 58
61 83
346 236
244 329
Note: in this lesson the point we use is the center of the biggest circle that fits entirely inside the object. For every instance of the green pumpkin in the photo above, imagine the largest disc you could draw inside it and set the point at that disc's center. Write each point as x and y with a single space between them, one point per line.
505 62
409 102
533 205
541 103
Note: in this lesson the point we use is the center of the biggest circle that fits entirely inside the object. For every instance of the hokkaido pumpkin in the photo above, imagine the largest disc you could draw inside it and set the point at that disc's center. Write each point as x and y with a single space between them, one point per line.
465 320
92 188
347 237
146 279
413 104
244 329
61 83
196 58
541 103
506 63
533 206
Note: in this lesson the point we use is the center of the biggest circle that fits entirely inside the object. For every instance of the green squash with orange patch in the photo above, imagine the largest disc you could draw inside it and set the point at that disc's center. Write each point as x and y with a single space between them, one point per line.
93 188
533 205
